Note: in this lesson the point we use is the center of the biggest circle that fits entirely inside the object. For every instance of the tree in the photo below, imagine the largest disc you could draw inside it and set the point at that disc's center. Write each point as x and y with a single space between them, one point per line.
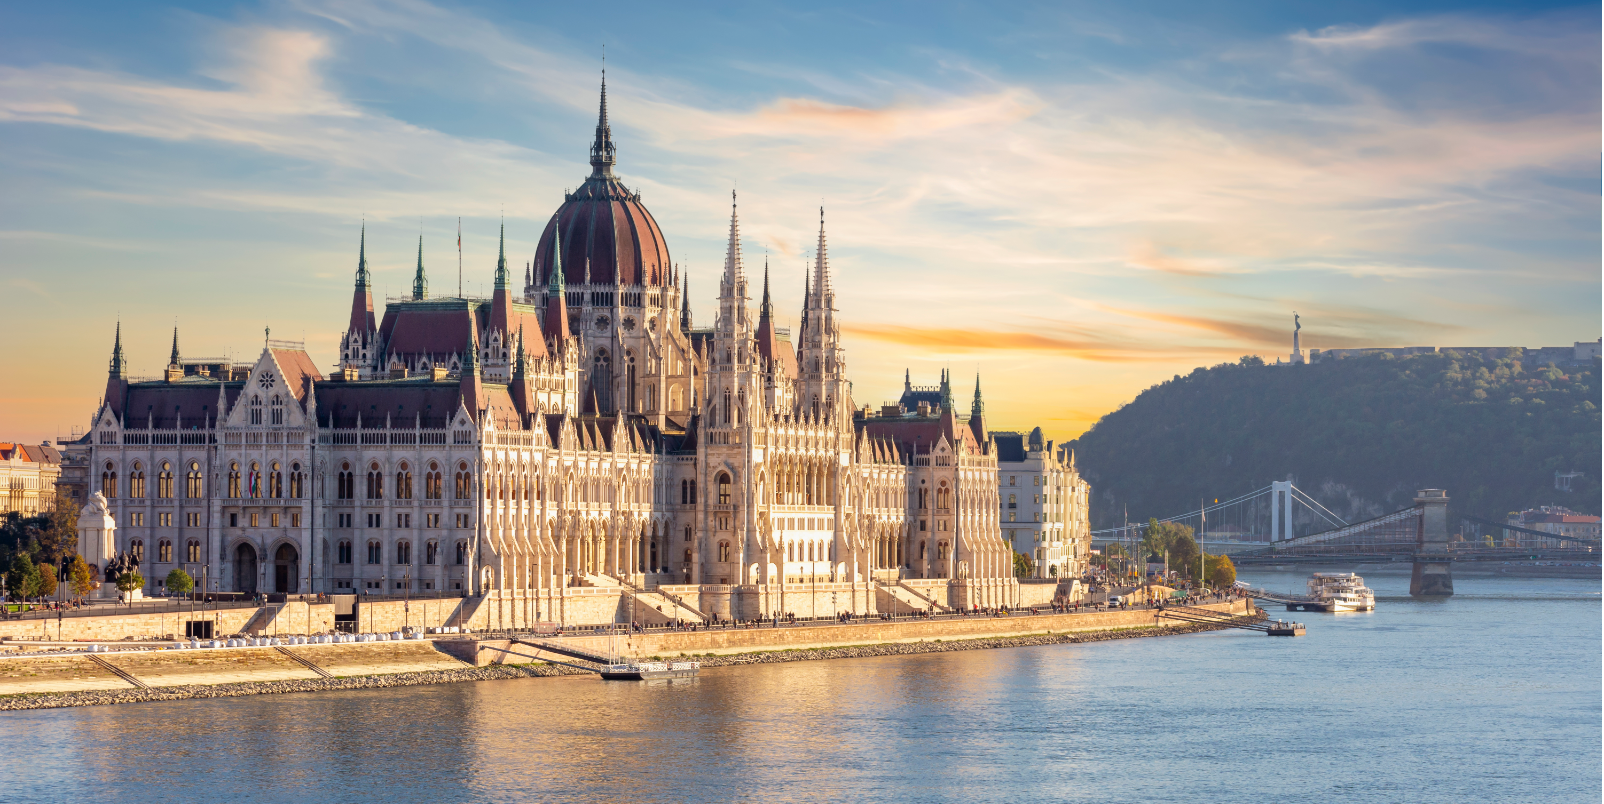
57 532
1023 566
78 578
179 582
23 575
1221 572
44 580
129 581
1183 550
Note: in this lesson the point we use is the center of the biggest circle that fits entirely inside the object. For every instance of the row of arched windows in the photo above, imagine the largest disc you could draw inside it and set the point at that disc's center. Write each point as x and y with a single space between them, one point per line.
403 552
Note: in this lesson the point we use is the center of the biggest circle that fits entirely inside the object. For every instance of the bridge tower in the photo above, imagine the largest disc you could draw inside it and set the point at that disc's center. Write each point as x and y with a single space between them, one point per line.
1280 510
1432 576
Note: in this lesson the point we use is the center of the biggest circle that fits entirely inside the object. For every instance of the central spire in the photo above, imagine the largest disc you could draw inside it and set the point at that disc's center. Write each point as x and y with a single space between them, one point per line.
602 156
363 278
732 257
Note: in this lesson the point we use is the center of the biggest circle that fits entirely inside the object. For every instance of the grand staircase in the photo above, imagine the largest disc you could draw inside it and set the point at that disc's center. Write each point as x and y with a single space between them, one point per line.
669 606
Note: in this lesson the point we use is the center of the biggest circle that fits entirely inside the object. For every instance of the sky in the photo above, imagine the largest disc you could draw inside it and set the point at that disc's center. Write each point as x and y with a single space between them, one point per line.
1071 201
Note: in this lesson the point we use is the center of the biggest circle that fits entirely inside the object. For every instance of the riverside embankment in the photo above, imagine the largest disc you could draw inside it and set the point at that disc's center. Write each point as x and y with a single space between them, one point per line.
58 680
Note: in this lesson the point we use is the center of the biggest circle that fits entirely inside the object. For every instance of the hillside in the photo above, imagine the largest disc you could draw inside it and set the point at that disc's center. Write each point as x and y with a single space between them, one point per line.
1360 435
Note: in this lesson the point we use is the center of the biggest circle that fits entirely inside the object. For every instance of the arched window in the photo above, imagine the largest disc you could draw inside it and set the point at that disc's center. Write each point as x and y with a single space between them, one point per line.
723 551
924 499
136 481
375 482
723 488
464 481
192 481
192 551
687 559
403 483
740 405
685 492
346 482
601 379
277 416
275 481
342 552
431 482
137 547
375 552
729 413
941 551
462 553
687 533
164 481
108 482
164 551
233 481
693 491
255 480
403 553
256 410
431 552
297 481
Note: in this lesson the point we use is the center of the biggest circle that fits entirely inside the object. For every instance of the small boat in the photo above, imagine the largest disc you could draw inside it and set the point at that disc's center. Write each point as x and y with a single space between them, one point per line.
641 671
1340 591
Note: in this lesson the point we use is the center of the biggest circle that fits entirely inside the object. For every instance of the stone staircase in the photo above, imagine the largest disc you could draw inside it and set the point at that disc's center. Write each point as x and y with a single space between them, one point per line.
906 599
668 606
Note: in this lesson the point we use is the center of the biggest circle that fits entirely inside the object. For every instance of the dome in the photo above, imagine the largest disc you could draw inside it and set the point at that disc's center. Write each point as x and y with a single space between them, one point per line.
608 237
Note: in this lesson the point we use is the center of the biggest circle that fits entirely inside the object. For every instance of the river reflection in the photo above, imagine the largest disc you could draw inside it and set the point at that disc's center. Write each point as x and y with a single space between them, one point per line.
1459 700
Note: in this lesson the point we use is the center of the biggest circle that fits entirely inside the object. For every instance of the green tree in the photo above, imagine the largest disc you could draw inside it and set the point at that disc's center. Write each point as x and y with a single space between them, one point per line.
1183 550
23 575
1023 566
78 578
1221 572
179 582
129 581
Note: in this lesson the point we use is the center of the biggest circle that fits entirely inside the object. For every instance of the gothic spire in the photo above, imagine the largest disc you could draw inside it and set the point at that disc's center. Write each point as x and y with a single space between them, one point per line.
821 266
946 391
685 306
501 260
602 156
173 359
978 407
364 280
555 279
767 308
119 365
518 367
732 256
420 281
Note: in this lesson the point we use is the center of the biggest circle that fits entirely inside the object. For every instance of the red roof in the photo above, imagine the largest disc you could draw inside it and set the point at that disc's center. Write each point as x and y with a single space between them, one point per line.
297 367
606 226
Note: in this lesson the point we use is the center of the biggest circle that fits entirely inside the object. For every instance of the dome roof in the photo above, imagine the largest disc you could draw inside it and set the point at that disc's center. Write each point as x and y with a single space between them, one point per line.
608 237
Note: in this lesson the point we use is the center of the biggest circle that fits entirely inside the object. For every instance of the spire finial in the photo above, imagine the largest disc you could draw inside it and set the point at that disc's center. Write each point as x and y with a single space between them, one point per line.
685 306
979 406
420 281
173 360
767 306
518 368
363 279
602 154
732 258
821 267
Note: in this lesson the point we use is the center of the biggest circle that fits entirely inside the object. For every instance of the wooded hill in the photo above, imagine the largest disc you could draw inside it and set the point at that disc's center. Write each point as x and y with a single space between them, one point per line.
1360 435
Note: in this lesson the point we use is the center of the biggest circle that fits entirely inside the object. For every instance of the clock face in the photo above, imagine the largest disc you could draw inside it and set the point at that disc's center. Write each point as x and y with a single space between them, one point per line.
267 380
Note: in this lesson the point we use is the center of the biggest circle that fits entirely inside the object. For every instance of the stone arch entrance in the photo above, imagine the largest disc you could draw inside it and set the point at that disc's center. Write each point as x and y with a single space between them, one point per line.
286 569
245 569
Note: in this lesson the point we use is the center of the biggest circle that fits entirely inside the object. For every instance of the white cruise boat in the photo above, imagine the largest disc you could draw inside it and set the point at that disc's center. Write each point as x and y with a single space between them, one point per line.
1340 591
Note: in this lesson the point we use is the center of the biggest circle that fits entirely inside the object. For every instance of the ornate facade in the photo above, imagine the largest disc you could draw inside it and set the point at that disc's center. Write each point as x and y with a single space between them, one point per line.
557 443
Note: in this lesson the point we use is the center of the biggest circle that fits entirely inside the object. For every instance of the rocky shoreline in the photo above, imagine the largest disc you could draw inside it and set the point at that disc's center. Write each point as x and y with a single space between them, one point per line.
54 700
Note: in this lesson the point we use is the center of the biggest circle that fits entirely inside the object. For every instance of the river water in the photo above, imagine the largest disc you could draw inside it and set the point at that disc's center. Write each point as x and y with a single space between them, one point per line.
1492 695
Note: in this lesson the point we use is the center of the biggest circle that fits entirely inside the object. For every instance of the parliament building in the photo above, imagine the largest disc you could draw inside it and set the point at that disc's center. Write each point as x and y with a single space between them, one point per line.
569 447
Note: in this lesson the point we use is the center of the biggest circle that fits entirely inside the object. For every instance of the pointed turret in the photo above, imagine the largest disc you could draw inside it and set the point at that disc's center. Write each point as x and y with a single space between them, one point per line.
420 280
767 343
685 307
977 414
555 325
521 389
907 381
602 155
117 377
175 368
821 265
946 392
732 253
362 298
732 286
501 298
